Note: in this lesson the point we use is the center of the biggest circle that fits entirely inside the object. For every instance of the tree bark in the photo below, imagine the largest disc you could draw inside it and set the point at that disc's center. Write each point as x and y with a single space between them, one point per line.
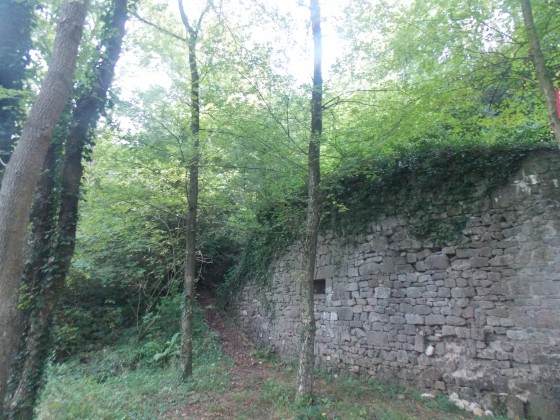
22 173
307 354
192 199
49 271
543 75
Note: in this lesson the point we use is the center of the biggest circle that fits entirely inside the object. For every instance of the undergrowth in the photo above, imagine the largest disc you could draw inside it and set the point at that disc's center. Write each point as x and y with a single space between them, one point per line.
116 384
131 380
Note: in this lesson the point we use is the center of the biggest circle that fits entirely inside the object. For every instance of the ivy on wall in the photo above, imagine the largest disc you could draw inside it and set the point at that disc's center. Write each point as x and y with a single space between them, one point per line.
434 188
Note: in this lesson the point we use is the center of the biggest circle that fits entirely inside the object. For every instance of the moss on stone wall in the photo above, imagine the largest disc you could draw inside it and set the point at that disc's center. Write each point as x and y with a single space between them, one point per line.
432 187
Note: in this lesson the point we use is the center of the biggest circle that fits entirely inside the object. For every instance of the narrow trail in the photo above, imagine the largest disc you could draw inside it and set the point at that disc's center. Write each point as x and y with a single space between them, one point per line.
235 344
245 375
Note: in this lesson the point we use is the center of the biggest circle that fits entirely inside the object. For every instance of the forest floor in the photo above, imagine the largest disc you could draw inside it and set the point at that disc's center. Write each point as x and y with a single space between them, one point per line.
261 386
232 379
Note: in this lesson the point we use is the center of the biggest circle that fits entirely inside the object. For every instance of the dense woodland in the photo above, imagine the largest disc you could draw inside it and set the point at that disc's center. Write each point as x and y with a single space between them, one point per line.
183 153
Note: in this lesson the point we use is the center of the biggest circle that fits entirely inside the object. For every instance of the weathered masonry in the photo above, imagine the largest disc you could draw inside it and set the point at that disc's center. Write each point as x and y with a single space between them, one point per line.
478 315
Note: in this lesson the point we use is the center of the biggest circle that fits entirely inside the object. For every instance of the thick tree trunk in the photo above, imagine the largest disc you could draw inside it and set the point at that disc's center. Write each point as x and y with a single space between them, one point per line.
16 22
307 355
21 176
49 282
192 198
543 75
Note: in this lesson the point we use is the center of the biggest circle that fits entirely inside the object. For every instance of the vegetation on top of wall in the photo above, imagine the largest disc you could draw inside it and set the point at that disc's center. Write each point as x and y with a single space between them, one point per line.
278 226
420 182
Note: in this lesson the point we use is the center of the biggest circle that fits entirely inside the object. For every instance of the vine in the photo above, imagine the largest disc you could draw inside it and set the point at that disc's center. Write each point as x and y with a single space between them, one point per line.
421 183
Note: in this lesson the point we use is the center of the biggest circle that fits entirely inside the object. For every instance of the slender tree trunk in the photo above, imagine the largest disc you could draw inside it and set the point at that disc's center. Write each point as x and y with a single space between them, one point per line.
48 271
543 75
22 173
307 355
192 198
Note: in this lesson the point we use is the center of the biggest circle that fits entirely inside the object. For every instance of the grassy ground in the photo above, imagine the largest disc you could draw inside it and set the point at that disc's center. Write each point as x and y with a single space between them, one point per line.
125 382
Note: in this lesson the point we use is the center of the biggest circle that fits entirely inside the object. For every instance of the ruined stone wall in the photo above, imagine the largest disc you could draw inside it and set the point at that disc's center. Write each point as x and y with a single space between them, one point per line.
478 316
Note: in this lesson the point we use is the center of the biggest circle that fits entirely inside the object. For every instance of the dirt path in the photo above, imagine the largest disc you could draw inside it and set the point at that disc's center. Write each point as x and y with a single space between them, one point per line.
246 374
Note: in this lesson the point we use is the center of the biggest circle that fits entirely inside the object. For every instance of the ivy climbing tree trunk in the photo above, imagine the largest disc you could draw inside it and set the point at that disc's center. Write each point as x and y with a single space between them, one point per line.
22 173
189 280
43 215
307 355
55 234
543 75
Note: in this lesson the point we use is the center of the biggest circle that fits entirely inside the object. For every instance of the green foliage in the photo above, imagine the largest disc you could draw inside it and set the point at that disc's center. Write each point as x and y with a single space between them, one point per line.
134 380
421 182
84 328
277 394
171 350
265 355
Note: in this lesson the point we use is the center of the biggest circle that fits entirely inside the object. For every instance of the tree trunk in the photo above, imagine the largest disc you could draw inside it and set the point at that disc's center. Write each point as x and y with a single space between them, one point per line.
543 75
22 173
192 198
16 22
307 355
49 271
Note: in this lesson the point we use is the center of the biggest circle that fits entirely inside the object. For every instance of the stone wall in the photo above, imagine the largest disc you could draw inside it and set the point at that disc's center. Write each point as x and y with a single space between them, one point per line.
479 316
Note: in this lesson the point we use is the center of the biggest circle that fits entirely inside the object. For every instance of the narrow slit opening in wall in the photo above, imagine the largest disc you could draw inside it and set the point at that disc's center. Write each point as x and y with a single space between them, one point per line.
319 287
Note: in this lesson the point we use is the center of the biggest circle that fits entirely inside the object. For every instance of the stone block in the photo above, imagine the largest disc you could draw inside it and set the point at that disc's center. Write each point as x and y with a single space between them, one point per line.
377 338
507 405
424 278
478 262
520 353
421 266
369 269
414 292
447 331
419 343
435 320
468 312
350 287
466 253
422 310
382 292
437 262
353 272
502 260
455 321
457 292
402 356
325 272
414 319
405 307
345 314
448 250
461 264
